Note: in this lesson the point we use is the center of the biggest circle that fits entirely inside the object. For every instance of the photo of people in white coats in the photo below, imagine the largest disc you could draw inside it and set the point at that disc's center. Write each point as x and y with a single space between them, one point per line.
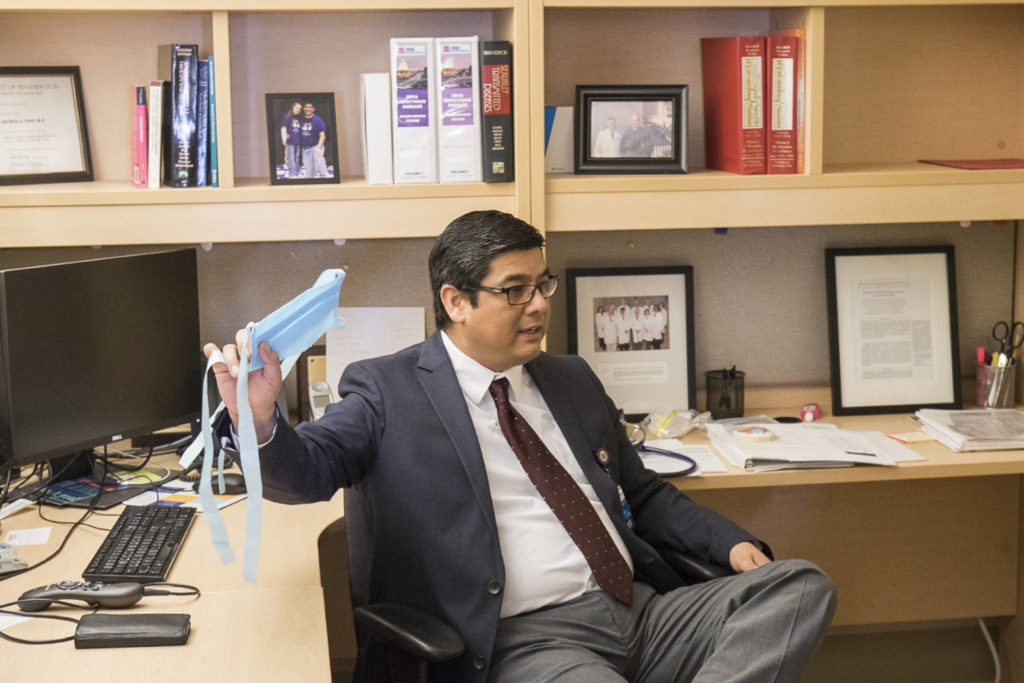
631 323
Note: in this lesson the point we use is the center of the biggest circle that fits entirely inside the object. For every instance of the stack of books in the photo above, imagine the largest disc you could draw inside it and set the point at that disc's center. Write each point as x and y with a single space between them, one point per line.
994 429
753 103
449 104
174 134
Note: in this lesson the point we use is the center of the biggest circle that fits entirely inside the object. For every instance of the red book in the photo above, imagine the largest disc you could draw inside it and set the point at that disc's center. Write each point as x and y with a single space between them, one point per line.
781 96
801 93
734 113
140 144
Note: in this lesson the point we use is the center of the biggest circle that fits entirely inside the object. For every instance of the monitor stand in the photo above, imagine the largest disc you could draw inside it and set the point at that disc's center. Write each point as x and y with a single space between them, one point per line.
77 485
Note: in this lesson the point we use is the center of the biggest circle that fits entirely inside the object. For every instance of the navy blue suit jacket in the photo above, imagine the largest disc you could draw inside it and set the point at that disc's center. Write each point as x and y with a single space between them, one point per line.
402 435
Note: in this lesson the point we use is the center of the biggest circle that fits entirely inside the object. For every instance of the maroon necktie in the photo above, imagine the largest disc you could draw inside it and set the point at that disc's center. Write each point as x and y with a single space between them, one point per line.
561 492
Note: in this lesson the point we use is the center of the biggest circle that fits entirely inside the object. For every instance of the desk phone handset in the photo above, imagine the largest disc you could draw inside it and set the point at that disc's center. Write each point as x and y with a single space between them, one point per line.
320 396
94 593
97 593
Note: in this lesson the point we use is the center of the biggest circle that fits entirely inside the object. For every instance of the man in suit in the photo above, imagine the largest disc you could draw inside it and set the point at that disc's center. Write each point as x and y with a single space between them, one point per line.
442 439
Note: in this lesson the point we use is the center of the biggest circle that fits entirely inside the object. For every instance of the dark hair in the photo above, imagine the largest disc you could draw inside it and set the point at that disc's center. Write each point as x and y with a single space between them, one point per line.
462 254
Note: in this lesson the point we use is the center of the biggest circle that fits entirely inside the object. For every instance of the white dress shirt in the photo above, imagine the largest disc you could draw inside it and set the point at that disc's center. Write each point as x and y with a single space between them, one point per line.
543 566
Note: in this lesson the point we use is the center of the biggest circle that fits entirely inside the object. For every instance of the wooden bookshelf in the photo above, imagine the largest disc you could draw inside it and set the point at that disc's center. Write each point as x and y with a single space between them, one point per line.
886 87
880 96
258 49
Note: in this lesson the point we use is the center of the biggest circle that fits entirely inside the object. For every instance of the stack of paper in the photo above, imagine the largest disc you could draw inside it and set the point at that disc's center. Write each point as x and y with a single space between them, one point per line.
806 446
993 429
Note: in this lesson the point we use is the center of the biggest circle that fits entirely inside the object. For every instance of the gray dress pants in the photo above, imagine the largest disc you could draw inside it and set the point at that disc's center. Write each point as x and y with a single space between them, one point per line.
759 626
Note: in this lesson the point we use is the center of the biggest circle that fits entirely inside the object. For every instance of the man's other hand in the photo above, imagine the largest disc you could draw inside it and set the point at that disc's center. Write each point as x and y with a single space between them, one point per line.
746 556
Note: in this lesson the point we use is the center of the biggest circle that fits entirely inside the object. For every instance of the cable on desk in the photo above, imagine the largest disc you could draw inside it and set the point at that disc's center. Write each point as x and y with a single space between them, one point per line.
38 615
88 511
144 462
7 487
148 589
61 522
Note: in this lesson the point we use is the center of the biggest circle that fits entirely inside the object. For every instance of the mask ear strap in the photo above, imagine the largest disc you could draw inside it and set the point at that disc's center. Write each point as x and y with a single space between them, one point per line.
208 504
248 450
218 530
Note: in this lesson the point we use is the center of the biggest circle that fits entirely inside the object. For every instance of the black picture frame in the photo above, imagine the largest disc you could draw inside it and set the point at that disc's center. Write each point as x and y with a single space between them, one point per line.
630 128
282 171
642 378
893 329
43 103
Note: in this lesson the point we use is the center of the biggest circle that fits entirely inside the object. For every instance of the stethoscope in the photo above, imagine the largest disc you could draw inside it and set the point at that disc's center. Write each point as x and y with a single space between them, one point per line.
637 434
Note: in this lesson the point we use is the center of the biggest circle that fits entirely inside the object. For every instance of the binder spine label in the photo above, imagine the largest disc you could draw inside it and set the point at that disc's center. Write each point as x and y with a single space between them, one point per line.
457 85
411 84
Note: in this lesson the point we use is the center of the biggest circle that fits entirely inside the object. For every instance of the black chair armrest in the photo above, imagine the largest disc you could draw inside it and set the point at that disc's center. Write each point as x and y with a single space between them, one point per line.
410 631
692 568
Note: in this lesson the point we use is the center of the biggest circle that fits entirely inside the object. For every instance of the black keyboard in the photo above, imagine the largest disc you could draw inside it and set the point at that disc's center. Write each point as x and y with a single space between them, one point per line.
142 544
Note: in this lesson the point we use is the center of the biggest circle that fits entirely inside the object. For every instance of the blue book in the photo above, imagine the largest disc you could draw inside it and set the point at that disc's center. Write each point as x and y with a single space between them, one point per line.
202 121
549 122
214 179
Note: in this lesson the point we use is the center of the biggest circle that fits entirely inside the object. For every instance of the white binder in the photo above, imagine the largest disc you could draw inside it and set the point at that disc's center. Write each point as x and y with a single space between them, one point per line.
413 90
375 125
459 143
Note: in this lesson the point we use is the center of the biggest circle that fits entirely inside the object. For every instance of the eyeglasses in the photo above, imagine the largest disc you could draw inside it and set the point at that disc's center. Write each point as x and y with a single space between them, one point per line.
520 295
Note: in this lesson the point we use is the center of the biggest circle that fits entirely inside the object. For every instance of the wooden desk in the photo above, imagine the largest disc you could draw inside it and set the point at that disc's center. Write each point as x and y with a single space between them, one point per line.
273 630
932 541
937 540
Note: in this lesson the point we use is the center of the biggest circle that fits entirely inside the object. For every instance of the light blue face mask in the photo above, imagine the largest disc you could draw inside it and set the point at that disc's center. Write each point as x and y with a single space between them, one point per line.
289 330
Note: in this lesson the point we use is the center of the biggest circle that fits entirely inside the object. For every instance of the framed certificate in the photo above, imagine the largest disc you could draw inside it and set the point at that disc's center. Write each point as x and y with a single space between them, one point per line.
43 136
634 326
892 319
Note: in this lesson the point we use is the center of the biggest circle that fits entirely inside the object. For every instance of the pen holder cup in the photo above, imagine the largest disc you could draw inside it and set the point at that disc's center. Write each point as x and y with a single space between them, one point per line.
996 386
725 393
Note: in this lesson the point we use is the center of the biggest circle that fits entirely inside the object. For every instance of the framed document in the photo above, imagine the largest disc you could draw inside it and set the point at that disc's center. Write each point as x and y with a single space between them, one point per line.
634 326
892 323
630 128
43 135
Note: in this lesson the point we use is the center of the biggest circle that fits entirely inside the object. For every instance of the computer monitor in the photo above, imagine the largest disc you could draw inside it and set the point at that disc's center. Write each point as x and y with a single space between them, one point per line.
93 352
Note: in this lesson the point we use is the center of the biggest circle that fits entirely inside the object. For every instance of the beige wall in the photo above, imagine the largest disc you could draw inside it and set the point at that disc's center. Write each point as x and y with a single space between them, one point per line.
759 293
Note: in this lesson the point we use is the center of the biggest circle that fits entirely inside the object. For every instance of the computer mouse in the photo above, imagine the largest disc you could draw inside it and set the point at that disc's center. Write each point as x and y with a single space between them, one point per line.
234 484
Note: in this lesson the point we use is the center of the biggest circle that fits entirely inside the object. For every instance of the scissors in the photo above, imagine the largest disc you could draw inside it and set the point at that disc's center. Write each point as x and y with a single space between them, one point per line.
1009 338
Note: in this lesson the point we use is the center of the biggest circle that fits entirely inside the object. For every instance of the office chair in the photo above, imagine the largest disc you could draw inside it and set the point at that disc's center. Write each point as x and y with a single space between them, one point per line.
420 638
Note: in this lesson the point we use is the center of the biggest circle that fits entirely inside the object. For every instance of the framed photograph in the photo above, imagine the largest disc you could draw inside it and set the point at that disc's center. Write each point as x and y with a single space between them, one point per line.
630 128
43 135
634 326
892 329
302 138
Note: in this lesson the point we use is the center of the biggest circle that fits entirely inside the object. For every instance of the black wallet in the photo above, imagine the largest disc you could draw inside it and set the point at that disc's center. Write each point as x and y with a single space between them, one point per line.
131 630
